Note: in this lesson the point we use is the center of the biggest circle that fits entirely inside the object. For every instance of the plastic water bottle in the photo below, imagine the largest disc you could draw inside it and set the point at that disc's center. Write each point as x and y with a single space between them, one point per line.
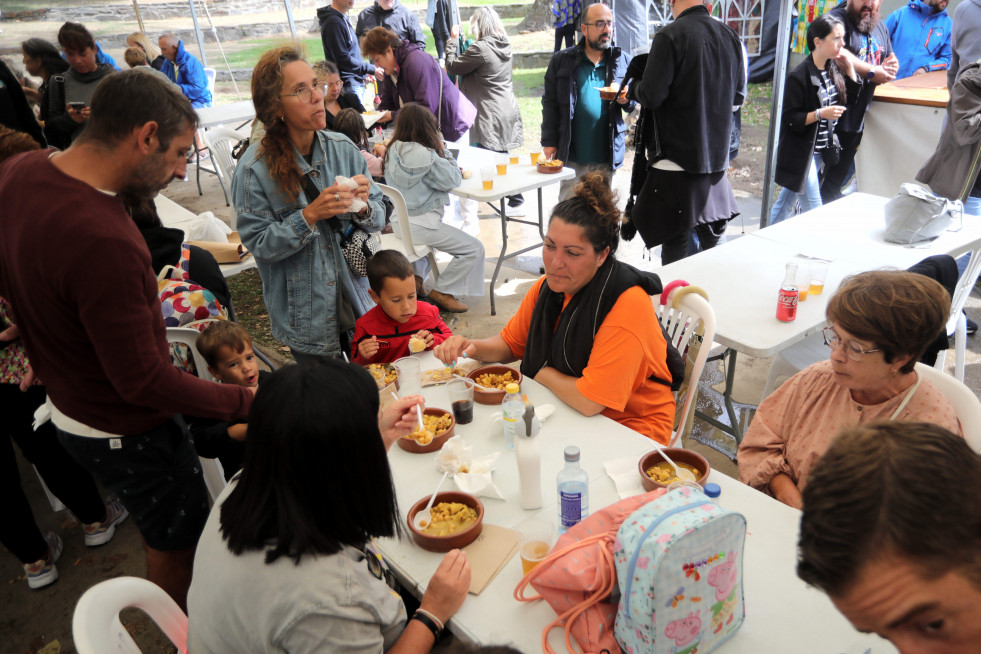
529 455
713 491
573 486
513 407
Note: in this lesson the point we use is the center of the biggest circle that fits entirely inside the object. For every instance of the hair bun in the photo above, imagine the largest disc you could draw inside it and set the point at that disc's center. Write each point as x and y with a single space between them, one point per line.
594 190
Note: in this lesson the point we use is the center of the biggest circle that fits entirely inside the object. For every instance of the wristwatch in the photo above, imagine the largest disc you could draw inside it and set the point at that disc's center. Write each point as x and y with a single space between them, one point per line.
871 73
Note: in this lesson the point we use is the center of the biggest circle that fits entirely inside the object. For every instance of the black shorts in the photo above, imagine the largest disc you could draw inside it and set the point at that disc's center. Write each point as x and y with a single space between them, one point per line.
157 476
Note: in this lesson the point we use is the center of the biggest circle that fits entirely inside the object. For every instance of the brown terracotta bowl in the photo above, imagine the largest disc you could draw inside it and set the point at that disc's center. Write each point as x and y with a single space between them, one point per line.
434 445
610 95
453 541
678 455
492 397
549 170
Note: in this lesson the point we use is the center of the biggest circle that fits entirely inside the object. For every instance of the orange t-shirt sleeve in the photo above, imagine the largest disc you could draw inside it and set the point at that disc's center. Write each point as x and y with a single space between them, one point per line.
515 333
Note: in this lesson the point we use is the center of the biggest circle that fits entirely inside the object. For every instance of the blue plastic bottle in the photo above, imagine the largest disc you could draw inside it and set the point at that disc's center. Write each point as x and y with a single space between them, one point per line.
573 488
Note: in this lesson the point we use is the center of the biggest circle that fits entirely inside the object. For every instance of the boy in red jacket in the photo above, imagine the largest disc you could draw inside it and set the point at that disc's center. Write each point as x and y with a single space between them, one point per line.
398 325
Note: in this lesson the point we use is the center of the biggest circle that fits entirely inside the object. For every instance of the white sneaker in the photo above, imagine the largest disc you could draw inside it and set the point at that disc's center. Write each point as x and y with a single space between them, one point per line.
100 533
44 572
515 212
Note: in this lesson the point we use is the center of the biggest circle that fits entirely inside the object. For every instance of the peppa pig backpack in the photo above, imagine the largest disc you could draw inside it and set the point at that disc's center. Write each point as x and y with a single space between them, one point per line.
679 562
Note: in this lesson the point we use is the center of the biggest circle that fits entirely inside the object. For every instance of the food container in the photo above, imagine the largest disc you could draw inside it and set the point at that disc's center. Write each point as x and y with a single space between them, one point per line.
497 396
410 445
545 169
461 538
610 94
678 455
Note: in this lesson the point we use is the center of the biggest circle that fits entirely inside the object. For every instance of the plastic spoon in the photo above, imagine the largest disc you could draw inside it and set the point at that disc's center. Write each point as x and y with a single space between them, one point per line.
421 519
683 473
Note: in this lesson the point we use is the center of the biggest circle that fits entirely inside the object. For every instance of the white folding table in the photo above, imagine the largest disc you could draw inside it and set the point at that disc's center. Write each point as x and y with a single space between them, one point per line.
520 178
782 613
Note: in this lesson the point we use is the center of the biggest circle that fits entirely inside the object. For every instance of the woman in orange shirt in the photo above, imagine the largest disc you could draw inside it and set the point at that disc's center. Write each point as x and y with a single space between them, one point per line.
587 330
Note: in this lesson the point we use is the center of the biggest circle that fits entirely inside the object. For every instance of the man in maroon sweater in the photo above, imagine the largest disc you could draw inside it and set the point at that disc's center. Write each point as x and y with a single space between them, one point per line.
77 274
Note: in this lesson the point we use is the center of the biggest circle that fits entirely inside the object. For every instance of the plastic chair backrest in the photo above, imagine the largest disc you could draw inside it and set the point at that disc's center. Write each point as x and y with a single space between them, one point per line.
96 628
966 404
688 313
214 476
402 215
211 74
219 141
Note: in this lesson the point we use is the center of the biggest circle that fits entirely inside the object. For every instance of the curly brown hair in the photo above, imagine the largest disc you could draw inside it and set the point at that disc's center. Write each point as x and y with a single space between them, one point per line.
267 85
13 142
594 208
417 124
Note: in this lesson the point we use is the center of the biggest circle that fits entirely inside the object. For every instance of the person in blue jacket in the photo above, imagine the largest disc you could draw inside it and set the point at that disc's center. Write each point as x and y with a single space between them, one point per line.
185 70
102 57
920 34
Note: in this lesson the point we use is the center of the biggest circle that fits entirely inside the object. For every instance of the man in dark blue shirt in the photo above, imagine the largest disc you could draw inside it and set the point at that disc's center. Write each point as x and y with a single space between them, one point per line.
578 127
341 47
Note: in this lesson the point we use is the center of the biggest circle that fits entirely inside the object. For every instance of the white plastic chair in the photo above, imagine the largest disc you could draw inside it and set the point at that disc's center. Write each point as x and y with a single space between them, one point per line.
412 251
214 476
689 314
211 74
219 141
96 628
966 404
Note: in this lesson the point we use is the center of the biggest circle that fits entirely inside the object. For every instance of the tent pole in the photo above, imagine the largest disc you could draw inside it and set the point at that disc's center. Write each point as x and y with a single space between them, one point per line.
784 27
197 34
289 18
139 19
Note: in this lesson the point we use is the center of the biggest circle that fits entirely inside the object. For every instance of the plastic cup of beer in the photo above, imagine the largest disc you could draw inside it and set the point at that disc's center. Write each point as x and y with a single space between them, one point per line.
819 273
803 281
513 157
534 157
501 161
535 539
487 177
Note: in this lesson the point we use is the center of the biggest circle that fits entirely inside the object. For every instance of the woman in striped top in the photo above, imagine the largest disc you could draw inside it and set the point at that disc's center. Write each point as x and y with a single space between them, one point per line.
813 100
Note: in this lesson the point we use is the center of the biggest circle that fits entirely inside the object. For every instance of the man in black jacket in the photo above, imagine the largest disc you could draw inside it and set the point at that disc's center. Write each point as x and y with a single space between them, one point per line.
393 16
341 47
693 81
578 127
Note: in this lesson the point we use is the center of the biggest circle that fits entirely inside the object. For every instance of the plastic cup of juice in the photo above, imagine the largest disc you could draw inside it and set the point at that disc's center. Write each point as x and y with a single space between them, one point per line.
487 177
819 272
513 157
534 158
501 161
535 537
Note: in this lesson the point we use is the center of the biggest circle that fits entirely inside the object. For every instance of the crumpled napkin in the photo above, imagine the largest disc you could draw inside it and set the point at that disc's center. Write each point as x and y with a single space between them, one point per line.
471 475
208 228
356 204
626 478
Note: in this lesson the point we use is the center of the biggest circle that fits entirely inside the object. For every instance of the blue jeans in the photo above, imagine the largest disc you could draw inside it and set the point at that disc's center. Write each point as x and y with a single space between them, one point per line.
809 199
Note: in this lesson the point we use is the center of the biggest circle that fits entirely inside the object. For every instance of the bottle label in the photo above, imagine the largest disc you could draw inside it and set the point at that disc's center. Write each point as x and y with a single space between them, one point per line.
570 511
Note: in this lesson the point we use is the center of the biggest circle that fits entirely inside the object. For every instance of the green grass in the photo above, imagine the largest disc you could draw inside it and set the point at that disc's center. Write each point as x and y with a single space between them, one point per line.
756 109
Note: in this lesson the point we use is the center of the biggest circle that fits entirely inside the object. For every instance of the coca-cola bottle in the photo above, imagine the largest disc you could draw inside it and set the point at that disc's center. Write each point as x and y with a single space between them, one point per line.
787 298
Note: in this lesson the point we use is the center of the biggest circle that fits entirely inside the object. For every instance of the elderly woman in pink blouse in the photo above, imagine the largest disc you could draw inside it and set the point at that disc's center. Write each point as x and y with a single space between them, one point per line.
881 322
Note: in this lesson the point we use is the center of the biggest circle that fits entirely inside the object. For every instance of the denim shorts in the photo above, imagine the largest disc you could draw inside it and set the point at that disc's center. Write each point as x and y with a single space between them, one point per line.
157 476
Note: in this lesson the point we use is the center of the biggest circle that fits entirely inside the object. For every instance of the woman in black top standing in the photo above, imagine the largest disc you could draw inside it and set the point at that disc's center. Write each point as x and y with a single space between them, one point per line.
42 59
813 101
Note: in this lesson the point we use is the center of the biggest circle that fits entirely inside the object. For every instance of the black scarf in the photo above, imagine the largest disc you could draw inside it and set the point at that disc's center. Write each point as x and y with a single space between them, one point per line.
567 347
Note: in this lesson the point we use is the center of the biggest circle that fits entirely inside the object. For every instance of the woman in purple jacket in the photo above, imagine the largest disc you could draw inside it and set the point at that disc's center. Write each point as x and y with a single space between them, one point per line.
411 75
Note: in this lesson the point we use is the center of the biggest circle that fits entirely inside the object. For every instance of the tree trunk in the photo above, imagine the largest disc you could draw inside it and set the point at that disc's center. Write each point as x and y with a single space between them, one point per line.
538 18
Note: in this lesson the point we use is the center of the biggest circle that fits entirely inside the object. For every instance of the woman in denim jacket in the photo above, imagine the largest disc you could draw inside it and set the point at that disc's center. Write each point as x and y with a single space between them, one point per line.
417 164
310 294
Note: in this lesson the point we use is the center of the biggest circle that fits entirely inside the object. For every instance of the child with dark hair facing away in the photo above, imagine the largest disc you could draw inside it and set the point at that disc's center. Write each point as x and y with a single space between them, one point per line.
350 123
399 325
227 348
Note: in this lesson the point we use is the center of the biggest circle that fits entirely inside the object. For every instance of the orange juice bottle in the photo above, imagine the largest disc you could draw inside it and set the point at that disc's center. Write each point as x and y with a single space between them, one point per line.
801 293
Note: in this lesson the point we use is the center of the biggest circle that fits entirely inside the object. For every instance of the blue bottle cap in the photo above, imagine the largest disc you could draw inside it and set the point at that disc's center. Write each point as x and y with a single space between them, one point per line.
713 490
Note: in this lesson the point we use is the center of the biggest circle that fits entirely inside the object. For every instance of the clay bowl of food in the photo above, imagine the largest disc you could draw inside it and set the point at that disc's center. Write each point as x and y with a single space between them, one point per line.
656 473
495 378
439 425
610 93
385 375
550 167
457 520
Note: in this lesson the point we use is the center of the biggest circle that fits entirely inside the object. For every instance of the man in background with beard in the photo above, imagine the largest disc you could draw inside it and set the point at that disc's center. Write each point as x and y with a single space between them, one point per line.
579 127
867 44
77 273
